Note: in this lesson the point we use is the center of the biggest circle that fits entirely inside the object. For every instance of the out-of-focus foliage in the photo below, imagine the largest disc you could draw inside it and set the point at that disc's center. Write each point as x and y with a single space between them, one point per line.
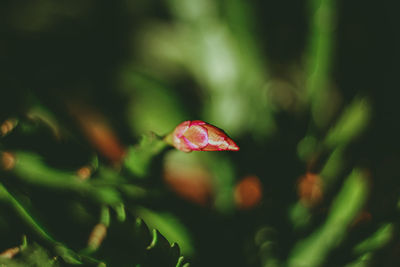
89 89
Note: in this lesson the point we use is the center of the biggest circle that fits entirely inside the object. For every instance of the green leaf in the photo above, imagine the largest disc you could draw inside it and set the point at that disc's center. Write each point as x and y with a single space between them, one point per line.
161 253
138 158
169 226
138 245
67 254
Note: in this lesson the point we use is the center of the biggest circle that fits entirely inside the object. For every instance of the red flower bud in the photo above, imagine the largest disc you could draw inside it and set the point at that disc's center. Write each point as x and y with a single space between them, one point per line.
200 136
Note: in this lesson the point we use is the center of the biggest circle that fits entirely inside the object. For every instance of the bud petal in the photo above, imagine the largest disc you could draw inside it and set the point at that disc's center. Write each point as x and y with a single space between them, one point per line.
200 136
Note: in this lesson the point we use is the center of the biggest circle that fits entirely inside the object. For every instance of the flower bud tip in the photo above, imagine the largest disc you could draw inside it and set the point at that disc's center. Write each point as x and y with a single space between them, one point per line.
200 136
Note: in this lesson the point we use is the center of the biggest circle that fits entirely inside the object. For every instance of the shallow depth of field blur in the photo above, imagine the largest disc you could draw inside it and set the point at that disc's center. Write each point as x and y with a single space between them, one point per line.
307 89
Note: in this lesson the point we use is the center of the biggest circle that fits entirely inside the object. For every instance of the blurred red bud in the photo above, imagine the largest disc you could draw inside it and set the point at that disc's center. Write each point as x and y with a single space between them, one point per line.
7 161
192 183
363 217
310 189
84 172
8 126
248 192
10 253
98 131
200 136
97 236
188 177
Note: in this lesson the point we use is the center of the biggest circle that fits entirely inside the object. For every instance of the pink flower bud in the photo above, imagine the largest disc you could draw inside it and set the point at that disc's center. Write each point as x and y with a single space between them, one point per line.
200 136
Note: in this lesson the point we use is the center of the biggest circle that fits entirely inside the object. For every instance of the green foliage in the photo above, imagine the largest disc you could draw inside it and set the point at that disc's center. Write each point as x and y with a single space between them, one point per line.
174 231
313 250
33 255
91 89
350 125
139 158
108 189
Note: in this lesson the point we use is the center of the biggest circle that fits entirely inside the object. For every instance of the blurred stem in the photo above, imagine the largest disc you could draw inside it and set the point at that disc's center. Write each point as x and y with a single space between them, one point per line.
29 168
352 122
312 250
120 211
299 214
320 51
377 240
105 216
98 233
362 261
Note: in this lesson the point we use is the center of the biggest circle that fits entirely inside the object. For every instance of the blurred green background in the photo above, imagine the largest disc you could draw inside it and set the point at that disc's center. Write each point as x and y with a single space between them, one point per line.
307 89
